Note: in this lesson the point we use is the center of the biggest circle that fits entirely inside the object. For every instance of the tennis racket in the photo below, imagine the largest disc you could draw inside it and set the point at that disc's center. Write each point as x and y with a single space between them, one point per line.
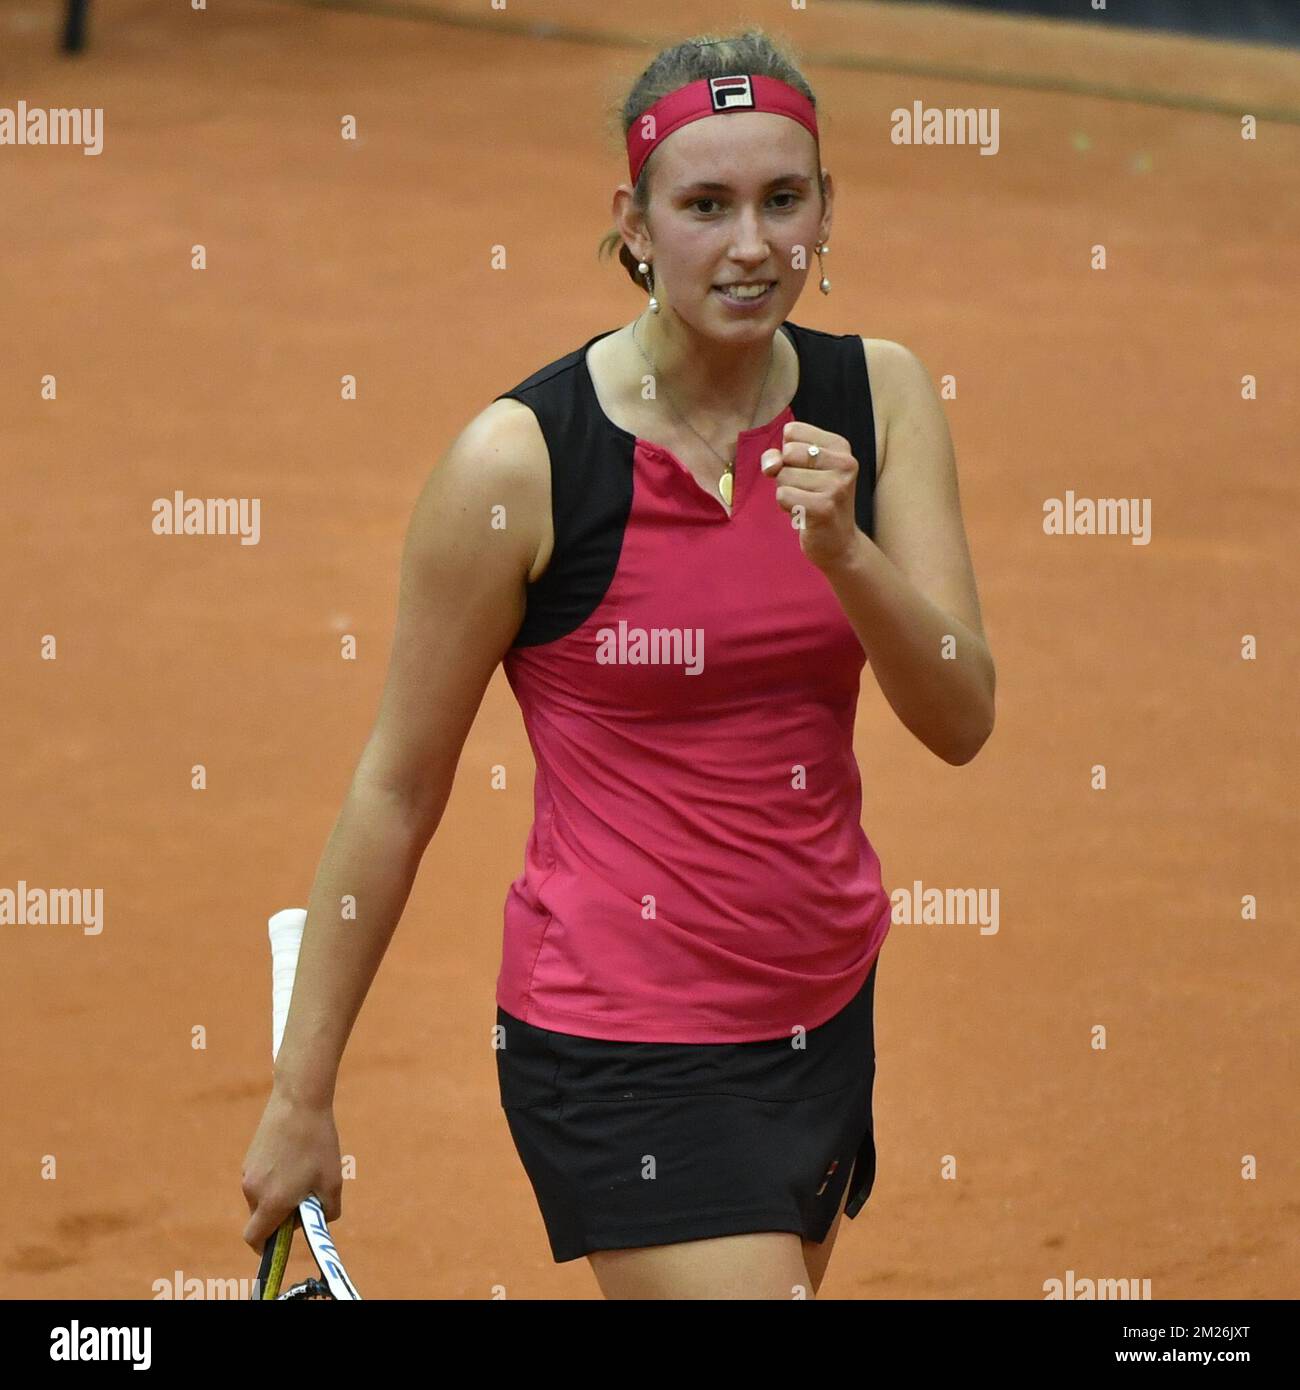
285 930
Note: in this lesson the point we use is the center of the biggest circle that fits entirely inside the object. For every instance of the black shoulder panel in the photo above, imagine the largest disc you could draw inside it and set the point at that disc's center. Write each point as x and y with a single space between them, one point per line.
591 498
835 394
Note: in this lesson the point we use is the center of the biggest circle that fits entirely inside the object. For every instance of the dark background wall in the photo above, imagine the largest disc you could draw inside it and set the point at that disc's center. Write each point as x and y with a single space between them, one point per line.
1254 21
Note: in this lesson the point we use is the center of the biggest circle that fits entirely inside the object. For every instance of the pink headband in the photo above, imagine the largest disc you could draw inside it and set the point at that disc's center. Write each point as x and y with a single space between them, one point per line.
714 96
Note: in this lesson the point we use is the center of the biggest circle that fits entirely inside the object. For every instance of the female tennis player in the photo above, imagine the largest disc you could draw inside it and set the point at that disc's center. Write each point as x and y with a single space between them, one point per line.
716 518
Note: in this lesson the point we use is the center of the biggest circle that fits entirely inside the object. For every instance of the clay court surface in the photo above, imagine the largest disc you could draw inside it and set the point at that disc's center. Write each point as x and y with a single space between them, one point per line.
1119 908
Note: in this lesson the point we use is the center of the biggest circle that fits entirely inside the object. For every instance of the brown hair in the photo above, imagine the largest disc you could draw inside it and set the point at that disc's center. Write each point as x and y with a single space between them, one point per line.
753 52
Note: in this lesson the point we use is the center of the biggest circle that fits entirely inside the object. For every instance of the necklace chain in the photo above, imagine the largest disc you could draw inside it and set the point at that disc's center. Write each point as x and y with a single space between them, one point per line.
728 464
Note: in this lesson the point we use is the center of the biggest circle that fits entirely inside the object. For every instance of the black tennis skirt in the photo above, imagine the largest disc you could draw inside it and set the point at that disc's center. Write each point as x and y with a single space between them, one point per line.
638 1143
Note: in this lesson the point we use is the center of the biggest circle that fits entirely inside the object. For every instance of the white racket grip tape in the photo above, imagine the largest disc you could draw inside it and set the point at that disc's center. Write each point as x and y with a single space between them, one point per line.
285 930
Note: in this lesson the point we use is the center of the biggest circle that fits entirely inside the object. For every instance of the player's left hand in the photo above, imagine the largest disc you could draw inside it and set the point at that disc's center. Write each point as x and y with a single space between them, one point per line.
822 485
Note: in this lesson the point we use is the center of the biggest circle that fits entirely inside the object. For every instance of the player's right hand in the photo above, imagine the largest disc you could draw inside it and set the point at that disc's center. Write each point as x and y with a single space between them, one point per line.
294 1153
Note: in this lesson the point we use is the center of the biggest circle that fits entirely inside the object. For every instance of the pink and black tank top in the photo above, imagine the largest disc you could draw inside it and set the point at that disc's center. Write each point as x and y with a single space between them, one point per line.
696 870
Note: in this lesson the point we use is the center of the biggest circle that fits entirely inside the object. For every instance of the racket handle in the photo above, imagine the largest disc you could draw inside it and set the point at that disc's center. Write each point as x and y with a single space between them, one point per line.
285 930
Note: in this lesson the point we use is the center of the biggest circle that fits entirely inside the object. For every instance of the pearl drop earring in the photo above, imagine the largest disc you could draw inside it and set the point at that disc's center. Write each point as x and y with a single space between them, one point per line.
823 247
643 269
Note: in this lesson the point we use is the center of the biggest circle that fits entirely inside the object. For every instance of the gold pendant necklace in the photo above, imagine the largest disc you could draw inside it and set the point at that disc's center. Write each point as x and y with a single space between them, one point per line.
726 484
726 488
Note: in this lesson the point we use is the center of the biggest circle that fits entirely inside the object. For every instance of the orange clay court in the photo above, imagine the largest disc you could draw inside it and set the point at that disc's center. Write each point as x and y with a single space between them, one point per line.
138 1058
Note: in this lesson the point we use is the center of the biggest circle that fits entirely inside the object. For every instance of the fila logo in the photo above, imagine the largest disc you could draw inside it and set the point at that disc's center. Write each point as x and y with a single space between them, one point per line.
731 93
835 1163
